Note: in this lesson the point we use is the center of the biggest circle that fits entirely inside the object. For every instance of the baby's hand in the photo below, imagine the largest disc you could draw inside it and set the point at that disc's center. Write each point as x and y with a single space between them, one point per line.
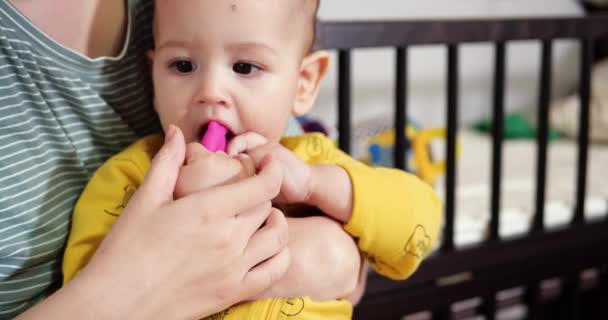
204 169
297 180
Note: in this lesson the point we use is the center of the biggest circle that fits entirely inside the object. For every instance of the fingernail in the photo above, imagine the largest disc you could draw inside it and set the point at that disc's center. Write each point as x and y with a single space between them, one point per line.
170 133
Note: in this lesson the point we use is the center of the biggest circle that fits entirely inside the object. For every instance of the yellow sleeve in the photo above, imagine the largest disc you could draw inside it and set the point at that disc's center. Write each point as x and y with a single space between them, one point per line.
301 308
103 200
396 216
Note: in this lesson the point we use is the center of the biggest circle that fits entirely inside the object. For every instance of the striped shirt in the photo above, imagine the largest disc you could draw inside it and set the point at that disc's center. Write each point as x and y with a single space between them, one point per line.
61 116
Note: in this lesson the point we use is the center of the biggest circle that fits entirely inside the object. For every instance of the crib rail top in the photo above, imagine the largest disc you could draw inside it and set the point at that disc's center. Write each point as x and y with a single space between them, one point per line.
397 33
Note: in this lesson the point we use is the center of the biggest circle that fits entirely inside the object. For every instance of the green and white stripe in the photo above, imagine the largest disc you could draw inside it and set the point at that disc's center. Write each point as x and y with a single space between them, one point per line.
61 116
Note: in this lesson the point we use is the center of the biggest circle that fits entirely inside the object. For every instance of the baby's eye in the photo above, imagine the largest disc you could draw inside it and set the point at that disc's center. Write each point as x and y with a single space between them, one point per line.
244 68
182 66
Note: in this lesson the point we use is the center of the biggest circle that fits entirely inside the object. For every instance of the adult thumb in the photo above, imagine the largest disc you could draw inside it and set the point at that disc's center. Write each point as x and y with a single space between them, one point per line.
159 183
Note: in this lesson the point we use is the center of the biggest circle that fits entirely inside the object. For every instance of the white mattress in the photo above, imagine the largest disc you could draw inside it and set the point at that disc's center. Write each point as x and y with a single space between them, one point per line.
518 186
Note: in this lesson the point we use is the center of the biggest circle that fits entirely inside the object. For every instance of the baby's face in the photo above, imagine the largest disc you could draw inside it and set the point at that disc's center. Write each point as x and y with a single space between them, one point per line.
237 62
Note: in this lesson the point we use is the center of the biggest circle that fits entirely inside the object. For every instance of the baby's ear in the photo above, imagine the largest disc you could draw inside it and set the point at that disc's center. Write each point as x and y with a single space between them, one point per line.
313 69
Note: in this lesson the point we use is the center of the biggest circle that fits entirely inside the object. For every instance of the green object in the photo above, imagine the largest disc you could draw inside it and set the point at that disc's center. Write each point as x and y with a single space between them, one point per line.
516 126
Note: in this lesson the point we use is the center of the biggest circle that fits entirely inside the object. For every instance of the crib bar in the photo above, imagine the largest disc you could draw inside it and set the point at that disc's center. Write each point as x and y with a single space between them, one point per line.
583 134
571 296
603 281
443 313
543 130
489 307
452 123
533 301
344 99
400 107
499 95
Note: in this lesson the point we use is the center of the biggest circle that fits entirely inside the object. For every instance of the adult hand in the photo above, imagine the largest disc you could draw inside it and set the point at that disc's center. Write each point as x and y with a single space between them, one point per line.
204 169
180 259
325 261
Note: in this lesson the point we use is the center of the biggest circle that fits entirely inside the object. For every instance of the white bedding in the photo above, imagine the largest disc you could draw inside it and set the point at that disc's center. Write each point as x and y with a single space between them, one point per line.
518 186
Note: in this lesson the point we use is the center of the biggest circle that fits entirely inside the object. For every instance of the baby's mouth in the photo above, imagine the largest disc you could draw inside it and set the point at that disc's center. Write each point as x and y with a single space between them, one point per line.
215 136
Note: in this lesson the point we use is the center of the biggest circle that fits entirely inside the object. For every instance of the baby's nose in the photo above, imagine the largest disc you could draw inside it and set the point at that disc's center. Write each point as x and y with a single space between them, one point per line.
211 93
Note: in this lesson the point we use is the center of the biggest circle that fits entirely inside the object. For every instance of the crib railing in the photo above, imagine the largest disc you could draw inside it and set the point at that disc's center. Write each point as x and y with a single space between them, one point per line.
453 275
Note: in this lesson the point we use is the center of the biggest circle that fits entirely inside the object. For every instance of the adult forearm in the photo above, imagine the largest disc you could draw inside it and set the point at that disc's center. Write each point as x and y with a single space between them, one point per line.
80 299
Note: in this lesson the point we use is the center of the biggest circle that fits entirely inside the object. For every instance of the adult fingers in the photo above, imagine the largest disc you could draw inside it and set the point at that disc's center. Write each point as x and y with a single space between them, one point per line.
265 274
245 142
159 183
266 258
248 223
269 240
235 198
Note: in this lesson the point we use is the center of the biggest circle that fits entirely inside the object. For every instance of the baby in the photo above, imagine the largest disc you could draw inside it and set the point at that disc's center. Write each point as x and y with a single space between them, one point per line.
243 67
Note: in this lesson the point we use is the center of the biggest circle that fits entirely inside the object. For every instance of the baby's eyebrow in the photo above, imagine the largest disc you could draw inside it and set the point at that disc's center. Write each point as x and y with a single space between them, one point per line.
252 46
174 44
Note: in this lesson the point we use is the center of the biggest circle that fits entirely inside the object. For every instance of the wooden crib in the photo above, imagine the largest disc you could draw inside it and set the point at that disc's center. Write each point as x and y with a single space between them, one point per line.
453 275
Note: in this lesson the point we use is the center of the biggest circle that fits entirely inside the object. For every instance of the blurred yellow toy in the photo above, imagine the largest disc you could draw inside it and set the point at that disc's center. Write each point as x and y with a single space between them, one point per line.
418 159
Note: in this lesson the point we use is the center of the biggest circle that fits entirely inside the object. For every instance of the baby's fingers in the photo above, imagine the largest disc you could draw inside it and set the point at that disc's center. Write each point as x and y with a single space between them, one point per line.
245 142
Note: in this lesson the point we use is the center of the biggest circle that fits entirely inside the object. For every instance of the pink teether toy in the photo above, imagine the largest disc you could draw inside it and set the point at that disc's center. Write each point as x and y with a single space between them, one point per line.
214 138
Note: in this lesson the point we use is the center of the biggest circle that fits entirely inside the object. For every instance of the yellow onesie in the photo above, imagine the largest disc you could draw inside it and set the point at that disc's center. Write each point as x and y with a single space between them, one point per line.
395 220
